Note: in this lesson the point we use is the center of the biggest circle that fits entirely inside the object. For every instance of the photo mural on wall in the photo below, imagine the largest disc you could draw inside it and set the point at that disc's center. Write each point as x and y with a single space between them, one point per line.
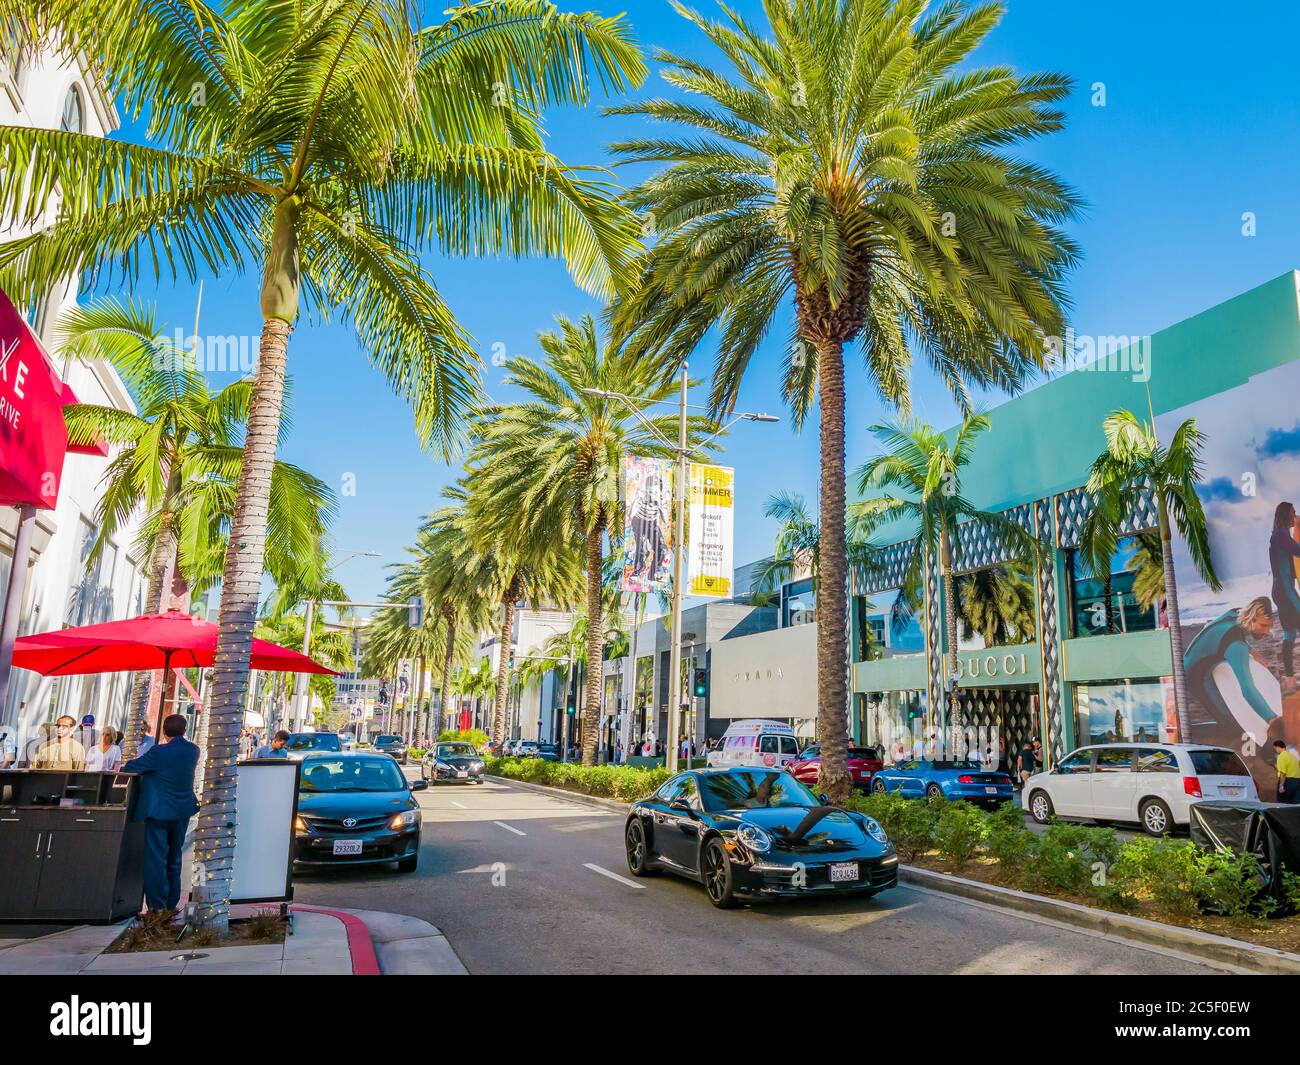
1239 642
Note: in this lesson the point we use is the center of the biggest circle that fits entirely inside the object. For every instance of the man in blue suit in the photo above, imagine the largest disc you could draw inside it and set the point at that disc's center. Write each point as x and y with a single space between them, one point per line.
165 805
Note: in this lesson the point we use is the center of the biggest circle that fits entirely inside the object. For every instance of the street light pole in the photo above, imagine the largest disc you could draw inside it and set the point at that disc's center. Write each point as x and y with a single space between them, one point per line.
679 557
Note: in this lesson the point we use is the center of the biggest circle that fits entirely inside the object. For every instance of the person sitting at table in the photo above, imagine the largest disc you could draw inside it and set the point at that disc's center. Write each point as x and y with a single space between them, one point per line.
62 752
106 755
165 806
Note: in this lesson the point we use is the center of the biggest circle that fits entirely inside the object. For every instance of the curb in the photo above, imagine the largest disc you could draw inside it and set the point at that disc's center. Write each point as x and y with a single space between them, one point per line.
361 949
1267 960
1204 945
586 800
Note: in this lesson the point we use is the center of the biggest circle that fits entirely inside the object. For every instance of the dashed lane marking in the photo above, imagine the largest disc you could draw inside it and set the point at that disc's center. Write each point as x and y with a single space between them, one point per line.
510 828
613 876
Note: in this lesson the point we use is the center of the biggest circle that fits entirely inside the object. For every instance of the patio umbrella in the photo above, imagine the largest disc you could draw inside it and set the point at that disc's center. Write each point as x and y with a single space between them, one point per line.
152 641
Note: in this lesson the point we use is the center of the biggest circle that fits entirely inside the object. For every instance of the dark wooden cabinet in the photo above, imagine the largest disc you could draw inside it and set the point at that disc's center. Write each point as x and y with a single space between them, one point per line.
73 862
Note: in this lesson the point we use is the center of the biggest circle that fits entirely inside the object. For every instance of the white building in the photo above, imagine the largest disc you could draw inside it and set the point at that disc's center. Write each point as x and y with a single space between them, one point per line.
535 714
50 91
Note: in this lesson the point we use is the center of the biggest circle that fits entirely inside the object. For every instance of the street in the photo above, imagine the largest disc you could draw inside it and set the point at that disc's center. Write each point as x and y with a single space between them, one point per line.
523 882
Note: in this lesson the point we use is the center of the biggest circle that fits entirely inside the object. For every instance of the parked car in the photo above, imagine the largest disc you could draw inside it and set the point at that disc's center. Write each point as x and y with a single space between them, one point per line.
1153 784
304 743
452 762
862 764
547 752
526 749
356 809
392 745
925 779
755 742
756 832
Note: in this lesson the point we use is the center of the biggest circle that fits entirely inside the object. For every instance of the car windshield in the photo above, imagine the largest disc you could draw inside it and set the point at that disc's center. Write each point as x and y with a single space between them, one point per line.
1218 764
547 747
388 739
956 765
351 774
455 750
862 752
314 741
753 790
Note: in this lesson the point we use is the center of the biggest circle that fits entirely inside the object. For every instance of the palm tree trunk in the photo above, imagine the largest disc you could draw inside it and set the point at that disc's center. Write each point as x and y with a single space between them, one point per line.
438 722
214 844
1175 625
595 646
160 562
503 668
832 597
950 621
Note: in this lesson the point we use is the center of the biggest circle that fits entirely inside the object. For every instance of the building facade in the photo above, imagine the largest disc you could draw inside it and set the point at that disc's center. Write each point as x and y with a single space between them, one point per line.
1092 663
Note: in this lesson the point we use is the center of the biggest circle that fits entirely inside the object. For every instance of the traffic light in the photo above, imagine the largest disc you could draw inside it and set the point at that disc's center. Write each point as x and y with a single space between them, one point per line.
570 708
415 612
701 687
913 713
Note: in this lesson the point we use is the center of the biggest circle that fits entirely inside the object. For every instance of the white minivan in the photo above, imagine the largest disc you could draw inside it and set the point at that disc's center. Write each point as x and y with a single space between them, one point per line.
1154 784
755 742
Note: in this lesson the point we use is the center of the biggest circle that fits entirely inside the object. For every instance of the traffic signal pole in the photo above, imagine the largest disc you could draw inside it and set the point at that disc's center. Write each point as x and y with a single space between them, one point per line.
680 489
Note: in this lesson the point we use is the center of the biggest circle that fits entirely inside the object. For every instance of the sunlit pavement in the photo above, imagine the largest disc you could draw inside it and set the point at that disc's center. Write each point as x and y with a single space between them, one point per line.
524 882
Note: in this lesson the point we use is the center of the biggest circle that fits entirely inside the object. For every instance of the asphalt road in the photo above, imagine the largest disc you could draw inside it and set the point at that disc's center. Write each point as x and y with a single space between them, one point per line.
522 882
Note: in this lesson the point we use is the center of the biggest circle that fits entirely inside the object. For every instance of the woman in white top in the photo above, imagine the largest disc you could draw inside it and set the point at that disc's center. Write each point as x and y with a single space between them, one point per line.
105 756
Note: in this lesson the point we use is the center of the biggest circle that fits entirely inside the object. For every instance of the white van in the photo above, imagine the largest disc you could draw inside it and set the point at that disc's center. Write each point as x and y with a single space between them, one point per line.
755 742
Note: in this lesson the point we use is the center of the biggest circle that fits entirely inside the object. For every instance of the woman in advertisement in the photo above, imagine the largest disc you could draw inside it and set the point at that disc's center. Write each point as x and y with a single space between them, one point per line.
1224 677
1283 553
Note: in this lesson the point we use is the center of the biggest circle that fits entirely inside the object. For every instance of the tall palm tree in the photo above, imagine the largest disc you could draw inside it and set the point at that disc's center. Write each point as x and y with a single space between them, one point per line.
549 466
320 144
798 545
851 160
330 646
1134 457
920 462
178 460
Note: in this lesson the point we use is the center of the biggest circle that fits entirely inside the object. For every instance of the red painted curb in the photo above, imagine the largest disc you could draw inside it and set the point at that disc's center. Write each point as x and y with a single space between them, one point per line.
362 950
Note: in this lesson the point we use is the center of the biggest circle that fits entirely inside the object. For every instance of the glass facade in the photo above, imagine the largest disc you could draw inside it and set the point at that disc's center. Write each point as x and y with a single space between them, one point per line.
1125 711
1097 610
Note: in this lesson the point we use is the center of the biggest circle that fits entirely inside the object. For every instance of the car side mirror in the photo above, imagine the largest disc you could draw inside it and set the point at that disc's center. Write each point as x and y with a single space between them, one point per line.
823 798
419 785
681 806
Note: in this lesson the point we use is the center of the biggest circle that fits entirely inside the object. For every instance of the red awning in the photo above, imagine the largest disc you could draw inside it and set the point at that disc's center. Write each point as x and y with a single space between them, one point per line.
151 641
97 447
33 438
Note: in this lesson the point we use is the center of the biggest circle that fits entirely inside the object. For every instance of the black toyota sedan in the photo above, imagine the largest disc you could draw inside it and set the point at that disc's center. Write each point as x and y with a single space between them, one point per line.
356 809
754 832
456 763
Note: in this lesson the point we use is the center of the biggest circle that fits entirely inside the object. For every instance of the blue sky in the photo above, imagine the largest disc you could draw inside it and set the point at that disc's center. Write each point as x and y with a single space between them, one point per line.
1198 127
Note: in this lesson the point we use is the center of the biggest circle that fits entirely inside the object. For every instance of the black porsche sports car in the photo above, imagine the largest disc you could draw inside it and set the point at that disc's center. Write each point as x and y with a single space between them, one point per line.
754 832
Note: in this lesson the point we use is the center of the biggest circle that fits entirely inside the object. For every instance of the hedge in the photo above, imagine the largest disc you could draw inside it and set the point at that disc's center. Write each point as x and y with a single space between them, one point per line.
624 782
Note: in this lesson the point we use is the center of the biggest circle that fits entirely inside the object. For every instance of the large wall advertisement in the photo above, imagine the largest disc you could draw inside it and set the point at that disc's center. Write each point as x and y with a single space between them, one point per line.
1239 641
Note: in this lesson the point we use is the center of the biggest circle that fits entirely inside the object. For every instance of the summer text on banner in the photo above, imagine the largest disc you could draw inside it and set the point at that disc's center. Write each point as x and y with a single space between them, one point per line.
710 529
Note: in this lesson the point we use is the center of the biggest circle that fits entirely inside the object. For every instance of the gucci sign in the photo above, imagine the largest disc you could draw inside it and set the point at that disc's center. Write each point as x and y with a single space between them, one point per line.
1009 665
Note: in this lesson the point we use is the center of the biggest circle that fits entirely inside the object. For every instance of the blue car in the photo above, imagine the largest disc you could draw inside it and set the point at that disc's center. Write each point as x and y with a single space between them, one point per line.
923 779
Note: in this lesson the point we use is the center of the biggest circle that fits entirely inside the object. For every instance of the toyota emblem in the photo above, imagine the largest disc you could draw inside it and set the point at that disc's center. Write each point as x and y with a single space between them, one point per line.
349 822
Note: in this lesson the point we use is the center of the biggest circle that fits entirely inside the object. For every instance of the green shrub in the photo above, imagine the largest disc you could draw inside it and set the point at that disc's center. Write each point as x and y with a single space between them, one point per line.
416 752
1164 870
1007 840
1062 857
477 738
623 782
959 831
1226 883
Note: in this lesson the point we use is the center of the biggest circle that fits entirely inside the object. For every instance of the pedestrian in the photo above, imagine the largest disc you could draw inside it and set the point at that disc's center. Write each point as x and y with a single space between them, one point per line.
274 749
1288 774
8 748
165 805
1002 753
106 755
62 752
1028 760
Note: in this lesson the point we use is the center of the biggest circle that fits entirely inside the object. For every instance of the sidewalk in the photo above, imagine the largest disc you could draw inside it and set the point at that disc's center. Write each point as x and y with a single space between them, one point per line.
323 943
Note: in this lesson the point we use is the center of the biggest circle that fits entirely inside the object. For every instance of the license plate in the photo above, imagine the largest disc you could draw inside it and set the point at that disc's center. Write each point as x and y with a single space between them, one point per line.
842 871
991 791
1233 790
462 772
347 846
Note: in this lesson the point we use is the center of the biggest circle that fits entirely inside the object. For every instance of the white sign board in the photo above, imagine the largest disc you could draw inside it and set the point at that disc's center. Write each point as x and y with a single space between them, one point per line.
769 674
266 803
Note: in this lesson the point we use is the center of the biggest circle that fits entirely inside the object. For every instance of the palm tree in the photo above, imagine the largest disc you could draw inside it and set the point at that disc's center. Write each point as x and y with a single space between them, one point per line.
549 466
850 160
330 646
1134 457
798 545
320 144
919 461
178 459
475 683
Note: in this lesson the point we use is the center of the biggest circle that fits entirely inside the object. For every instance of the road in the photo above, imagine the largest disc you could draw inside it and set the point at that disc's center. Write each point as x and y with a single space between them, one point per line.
524 882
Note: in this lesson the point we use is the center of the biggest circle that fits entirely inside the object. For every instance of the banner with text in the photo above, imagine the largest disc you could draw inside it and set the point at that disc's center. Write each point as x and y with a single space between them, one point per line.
709 524
647 524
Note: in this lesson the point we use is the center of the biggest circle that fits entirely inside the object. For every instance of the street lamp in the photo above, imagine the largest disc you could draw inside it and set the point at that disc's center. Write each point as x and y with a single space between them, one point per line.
301 697
683 452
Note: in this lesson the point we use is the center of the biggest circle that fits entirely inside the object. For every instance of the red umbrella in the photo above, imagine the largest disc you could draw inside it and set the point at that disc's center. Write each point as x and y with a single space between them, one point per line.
151 641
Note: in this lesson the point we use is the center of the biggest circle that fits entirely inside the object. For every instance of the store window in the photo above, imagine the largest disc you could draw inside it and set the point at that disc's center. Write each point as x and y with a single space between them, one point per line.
798 603
1125 711
1099 610
73 119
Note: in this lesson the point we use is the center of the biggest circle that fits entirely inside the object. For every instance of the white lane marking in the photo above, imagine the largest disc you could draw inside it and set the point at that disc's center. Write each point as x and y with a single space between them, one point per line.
613 876
510 828
459 806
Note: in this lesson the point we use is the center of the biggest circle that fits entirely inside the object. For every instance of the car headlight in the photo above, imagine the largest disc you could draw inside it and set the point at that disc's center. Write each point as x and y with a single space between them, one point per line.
476 765
754 838
299 825
405 819
874 829
441 765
